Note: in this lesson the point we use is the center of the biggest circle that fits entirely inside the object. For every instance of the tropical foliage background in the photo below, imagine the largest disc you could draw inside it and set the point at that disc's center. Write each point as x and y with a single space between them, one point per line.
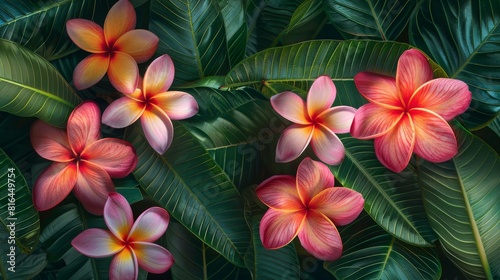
431 221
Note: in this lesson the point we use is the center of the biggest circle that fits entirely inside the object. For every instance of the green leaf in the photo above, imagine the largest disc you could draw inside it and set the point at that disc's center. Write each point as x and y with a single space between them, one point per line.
463 37
461 197
16 206
235 127
41 25
18 265
306 22
236 29
495 125
371 253
373 19
32 87
192 32
183 181
195 260
391 199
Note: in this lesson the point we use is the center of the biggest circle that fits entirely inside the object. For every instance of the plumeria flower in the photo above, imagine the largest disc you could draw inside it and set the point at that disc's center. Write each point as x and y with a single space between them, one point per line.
130 242
154 105
308 206
409 113
116 49
83 163
314 121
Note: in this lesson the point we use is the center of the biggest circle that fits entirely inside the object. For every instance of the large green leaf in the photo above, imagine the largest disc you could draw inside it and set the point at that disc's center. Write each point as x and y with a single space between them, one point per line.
374 19
31 86
461 198
236 29
192 32
195 190
195 260
41 25
267 20
463 36
371 253
235 127
391 199
16 206
305 23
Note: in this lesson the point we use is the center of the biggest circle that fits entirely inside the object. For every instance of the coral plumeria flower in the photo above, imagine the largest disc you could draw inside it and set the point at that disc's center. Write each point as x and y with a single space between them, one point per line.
116 49
83 163
130 242
409 113
314 121
308 206
154 105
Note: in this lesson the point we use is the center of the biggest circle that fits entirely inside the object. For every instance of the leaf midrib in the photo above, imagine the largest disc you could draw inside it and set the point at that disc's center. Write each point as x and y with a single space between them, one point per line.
377 22
42 92
43 9
475 230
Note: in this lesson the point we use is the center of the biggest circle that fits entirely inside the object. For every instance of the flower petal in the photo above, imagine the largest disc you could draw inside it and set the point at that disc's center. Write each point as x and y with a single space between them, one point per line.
123 72
122 112
54 185
118 215
290 106
278 228
378 89
312 178
320 237
87 35
93 187
372 121
320 96
50 142
139 44
293 141
97 243
90 70
117 157
394 149
280 192
446 97
121 18
124 265
434 138
337 119
150 225
327 146
84 126
413 71
159 76
341 205
158 129
177 105
152 257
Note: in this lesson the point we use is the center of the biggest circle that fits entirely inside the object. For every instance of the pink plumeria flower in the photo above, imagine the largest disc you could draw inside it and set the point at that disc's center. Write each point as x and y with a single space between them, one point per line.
409 113
83 163
308 206
130 242
116 49
154 105
314 121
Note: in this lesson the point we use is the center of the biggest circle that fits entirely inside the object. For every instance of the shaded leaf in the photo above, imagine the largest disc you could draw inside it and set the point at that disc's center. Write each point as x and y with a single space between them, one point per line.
192 32
184 181
16 206
461 198
195 260
236 29
32 87
373 19
306 22
371 253
463 37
